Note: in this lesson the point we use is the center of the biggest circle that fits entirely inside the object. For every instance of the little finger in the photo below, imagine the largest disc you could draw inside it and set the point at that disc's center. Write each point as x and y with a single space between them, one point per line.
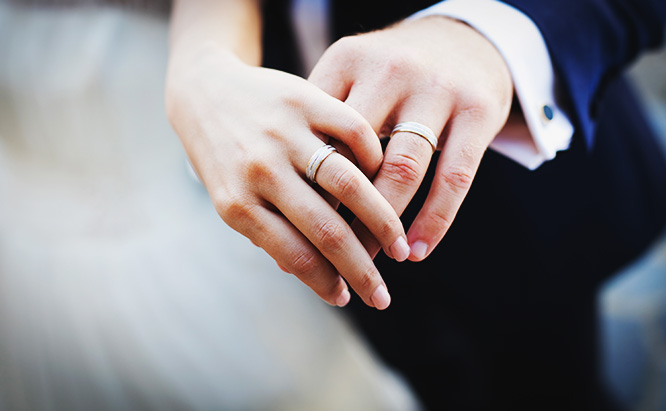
290 249
334 239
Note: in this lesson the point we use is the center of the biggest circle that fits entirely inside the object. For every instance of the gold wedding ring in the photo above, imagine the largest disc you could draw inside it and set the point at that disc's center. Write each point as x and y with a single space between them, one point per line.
315 161
418 129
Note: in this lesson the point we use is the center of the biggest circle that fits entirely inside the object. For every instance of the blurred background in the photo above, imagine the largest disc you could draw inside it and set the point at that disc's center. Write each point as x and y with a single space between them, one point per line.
633 303
120 287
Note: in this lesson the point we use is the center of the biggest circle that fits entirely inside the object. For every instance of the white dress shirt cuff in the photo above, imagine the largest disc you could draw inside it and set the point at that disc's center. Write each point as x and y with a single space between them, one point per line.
545 128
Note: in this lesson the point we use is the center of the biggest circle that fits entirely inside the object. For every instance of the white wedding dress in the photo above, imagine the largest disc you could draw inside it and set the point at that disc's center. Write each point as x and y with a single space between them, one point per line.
120 288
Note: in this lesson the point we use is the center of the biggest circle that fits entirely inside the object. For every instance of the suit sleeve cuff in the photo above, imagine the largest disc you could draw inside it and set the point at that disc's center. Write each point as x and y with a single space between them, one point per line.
545 129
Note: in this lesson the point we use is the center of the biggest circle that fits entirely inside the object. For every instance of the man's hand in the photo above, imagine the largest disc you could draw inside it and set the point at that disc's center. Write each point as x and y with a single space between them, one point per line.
435 71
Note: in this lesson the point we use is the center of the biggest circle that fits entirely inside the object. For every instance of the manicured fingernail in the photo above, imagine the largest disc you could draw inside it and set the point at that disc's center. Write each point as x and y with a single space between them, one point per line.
381 298
400 249
343 298
419 249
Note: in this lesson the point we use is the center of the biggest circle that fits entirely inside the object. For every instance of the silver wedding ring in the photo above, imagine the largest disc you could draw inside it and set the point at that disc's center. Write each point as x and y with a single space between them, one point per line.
315 161
418 129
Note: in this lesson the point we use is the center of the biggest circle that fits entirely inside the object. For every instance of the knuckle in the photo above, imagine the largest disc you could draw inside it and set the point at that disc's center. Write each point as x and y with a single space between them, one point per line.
439 220
470 154
344 45
367 281
309 268
477 105
357 128
234 208
305 265
295 100
329 289
489 96
487 111
459 179
443 85
260 170
331 236
398 65
343 50
403 169
484 103
389 227
346 184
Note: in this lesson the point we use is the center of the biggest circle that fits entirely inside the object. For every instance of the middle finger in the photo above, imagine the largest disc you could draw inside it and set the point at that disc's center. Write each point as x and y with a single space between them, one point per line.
406 161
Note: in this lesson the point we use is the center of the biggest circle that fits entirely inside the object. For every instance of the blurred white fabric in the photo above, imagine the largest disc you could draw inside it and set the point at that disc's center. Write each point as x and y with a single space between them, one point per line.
120 288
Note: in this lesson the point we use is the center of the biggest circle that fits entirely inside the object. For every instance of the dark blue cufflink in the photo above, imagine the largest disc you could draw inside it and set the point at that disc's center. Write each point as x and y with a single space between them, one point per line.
547 112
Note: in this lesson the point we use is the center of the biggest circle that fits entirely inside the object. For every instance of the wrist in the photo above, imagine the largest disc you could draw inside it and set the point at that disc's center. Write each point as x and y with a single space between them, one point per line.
186 55
188 71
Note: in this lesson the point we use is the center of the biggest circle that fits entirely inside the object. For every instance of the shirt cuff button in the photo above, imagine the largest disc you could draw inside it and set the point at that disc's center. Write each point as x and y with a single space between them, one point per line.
547 113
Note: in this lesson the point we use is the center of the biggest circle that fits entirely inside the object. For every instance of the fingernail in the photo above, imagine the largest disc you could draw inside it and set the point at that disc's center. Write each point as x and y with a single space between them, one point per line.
419 249
343 298
381 298
400 249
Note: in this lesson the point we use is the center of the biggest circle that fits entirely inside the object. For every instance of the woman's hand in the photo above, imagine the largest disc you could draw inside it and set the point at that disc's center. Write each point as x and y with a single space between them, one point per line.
250 133
435 71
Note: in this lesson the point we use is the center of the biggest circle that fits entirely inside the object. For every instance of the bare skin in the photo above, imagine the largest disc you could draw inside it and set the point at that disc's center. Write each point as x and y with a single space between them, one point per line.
435 71
250 132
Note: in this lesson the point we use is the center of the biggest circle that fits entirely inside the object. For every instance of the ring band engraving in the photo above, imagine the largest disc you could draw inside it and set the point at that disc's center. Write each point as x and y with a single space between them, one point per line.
418 129
315 161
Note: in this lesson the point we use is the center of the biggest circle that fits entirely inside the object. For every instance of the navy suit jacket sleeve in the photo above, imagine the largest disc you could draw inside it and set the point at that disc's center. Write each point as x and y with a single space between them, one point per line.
591 42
